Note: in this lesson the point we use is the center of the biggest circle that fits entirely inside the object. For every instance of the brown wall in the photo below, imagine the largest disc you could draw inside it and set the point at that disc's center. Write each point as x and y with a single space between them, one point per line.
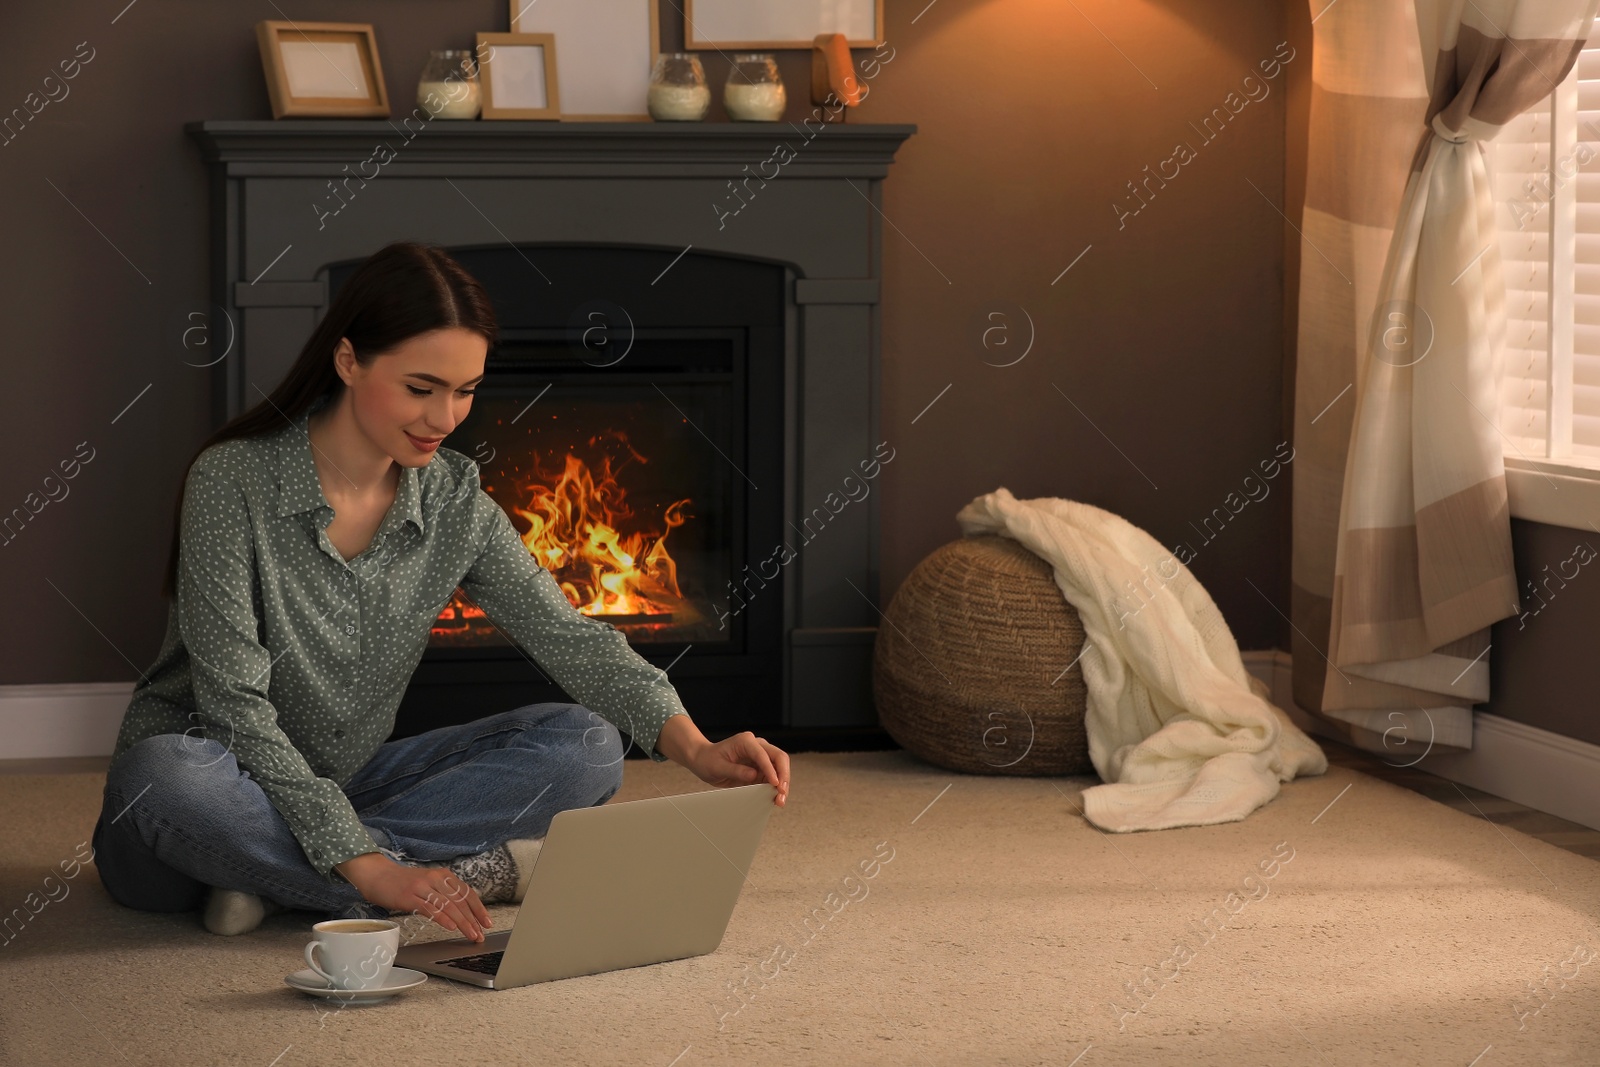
1153 388
1166 336
1544 669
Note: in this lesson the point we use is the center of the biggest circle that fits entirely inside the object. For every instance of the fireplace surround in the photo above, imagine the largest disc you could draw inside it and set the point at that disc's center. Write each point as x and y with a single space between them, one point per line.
683 411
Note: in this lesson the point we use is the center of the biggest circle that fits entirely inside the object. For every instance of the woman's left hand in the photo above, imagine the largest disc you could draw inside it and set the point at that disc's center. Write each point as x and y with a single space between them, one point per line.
742 759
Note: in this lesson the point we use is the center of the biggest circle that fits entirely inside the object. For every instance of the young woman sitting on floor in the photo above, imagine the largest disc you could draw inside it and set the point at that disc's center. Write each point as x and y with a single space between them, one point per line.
319 534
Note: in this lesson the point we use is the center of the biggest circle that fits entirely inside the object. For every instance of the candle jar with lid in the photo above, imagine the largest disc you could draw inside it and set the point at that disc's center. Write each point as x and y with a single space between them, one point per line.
678 90
754 91
448 88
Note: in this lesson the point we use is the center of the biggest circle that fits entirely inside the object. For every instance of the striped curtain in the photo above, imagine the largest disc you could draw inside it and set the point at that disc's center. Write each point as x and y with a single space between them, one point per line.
1402 543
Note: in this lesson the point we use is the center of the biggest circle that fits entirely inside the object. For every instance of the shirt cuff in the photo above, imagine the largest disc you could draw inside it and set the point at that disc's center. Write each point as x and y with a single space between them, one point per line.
335 844
340 856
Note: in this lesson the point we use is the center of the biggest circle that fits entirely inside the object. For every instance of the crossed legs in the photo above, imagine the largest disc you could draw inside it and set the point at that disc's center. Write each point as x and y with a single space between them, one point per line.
180 815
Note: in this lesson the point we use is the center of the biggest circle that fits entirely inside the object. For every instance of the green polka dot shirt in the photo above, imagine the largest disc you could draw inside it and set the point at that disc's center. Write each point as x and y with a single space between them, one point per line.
296 659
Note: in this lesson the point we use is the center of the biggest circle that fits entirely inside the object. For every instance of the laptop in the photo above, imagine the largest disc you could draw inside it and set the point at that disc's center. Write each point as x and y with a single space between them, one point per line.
618 885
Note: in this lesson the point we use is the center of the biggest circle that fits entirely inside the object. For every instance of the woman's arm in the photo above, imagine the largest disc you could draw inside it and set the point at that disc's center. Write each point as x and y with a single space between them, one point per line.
680 740
592 660
587 657
742 759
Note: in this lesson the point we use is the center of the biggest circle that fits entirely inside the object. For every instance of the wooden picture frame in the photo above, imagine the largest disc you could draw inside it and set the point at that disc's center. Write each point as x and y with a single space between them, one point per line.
515 60
762 25
326 69
608 50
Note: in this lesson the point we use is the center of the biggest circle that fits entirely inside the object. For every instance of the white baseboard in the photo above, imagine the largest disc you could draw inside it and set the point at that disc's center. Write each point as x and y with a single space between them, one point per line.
1544 770
47 721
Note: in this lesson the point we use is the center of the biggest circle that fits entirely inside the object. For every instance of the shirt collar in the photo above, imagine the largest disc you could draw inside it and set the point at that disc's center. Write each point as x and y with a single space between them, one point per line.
300 489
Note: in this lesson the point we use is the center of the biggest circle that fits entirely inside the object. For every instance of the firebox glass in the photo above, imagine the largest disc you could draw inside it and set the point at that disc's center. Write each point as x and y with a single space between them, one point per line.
624 493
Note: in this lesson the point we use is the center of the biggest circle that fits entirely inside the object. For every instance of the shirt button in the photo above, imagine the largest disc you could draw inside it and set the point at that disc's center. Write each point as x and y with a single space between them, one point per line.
350 628
338 733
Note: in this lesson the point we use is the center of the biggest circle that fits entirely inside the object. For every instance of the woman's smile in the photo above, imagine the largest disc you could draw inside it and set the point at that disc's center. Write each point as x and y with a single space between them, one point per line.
423 444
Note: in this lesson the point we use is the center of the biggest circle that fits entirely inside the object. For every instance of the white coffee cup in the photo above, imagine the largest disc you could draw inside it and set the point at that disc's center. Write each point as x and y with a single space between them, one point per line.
356 953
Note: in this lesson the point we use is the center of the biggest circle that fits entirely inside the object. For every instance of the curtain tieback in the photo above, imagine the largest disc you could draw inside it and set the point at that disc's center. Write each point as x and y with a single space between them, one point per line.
1453 136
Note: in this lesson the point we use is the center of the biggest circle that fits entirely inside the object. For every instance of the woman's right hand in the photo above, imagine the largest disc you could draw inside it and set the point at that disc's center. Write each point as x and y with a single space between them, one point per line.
432 891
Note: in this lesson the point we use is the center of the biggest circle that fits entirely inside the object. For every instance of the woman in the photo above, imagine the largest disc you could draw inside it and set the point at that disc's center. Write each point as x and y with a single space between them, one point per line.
318 536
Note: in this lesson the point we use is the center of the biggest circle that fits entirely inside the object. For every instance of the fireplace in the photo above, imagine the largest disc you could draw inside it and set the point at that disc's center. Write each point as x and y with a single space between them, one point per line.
676 398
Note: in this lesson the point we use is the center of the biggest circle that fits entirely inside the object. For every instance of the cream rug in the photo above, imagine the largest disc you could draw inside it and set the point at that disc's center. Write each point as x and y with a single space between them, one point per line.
1367 925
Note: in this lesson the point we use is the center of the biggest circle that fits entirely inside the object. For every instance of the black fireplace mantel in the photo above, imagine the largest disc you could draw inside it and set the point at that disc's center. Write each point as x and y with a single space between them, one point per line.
592 149
293 198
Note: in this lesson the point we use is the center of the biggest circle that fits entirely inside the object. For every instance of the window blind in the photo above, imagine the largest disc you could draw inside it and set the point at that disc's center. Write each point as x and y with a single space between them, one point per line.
1585 139
1545 168
1519 162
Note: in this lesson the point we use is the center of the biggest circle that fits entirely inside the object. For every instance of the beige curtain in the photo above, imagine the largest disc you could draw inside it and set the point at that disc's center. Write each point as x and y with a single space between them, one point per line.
1402 546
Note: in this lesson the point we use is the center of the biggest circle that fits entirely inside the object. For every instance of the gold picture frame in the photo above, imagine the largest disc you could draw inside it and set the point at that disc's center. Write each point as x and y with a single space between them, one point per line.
322 69
524 65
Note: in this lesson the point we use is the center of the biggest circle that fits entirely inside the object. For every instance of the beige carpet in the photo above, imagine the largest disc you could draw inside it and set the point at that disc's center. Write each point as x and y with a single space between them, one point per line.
1001 932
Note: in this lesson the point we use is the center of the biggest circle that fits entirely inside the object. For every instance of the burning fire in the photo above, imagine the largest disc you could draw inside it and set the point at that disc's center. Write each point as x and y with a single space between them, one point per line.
573 533
575 530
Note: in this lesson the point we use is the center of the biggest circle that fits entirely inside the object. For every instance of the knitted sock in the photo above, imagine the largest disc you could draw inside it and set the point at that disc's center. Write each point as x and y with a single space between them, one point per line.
501 874
493 874
524 851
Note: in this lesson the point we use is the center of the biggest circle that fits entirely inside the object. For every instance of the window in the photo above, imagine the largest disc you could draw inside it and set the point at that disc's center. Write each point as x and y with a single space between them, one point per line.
1546 173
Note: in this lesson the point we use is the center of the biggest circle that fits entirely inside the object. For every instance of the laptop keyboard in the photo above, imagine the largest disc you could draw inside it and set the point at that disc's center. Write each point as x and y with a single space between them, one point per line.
483 962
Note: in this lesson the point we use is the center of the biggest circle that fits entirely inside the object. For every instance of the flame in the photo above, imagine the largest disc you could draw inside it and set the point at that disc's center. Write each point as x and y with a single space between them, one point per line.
576 520
573 531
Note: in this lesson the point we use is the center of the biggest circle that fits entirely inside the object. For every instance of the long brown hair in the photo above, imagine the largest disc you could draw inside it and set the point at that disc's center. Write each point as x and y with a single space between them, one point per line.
398 292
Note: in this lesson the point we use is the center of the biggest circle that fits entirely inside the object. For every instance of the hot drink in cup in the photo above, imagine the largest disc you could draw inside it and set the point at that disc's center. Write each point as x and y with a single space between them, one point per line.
354 953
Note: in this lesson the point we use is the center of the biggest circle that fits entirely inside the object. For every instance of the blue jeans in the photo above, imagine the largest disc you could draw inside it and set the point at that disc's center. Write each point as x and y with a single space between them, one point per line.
180 815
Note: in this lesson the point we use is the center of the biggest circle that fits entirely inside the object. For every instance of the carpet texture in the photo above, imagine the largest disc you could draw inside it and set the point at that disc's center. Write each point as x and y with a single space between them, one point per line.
953 920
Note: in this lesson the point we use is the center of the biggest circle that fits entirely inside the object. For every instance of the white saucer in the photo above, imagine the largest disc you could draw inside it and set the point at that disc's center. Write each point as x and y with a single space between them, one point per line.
310 982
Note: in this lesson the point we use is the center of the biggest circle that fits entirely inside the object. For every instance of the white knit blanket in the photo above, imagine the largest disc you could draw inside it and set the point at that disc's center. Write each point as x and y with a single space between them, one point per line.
1179 732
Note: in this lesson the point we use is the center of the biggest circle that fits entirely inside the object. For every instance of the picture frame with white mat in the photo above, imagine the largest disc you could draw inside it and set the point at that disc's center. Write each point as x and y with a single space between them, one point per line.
607 49
518 76
326 69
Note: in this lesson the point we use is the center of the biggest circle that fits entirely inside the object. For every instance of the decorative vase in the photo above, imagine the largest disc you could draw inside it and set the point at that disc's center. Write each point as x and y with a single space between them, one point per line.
753 91
448 88
678 90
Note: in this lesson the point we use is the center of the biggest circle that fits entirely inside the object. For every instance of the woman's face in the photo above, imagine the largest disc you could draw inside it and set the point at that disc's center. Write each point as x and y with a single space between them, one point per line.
408 399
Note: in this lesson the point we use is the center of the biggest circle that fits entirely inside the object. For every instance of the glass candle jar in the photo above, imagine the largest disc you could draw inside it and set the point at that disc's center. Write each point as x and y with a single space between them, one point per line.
448 88
753 91
678 90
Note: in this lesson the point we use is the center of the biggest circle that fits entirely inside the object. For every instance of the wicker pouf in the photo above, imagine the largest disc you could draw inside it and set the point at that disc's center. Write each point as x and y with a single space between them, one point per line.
968 668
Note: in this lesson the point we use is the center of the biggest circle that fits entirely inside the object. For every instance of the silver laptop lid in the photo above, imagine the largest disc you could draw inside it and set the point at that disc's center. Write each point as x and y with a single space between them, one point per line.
644 881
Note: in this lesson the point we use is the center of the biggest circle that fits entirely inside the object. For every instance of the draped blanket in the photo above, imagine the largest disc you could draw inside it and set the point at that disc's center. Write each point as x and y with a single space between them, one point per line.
1178 730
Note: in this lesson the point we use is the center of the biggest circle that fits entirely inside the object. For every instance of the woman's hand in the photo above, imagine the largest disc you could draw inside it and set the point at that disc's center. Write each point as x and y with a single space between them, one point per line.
432 891
742 759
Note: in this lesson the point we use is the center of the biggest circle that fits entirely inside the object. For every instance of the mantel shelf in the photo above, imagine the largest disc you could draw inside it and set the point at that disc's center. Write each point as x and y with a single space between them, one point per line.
690 149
